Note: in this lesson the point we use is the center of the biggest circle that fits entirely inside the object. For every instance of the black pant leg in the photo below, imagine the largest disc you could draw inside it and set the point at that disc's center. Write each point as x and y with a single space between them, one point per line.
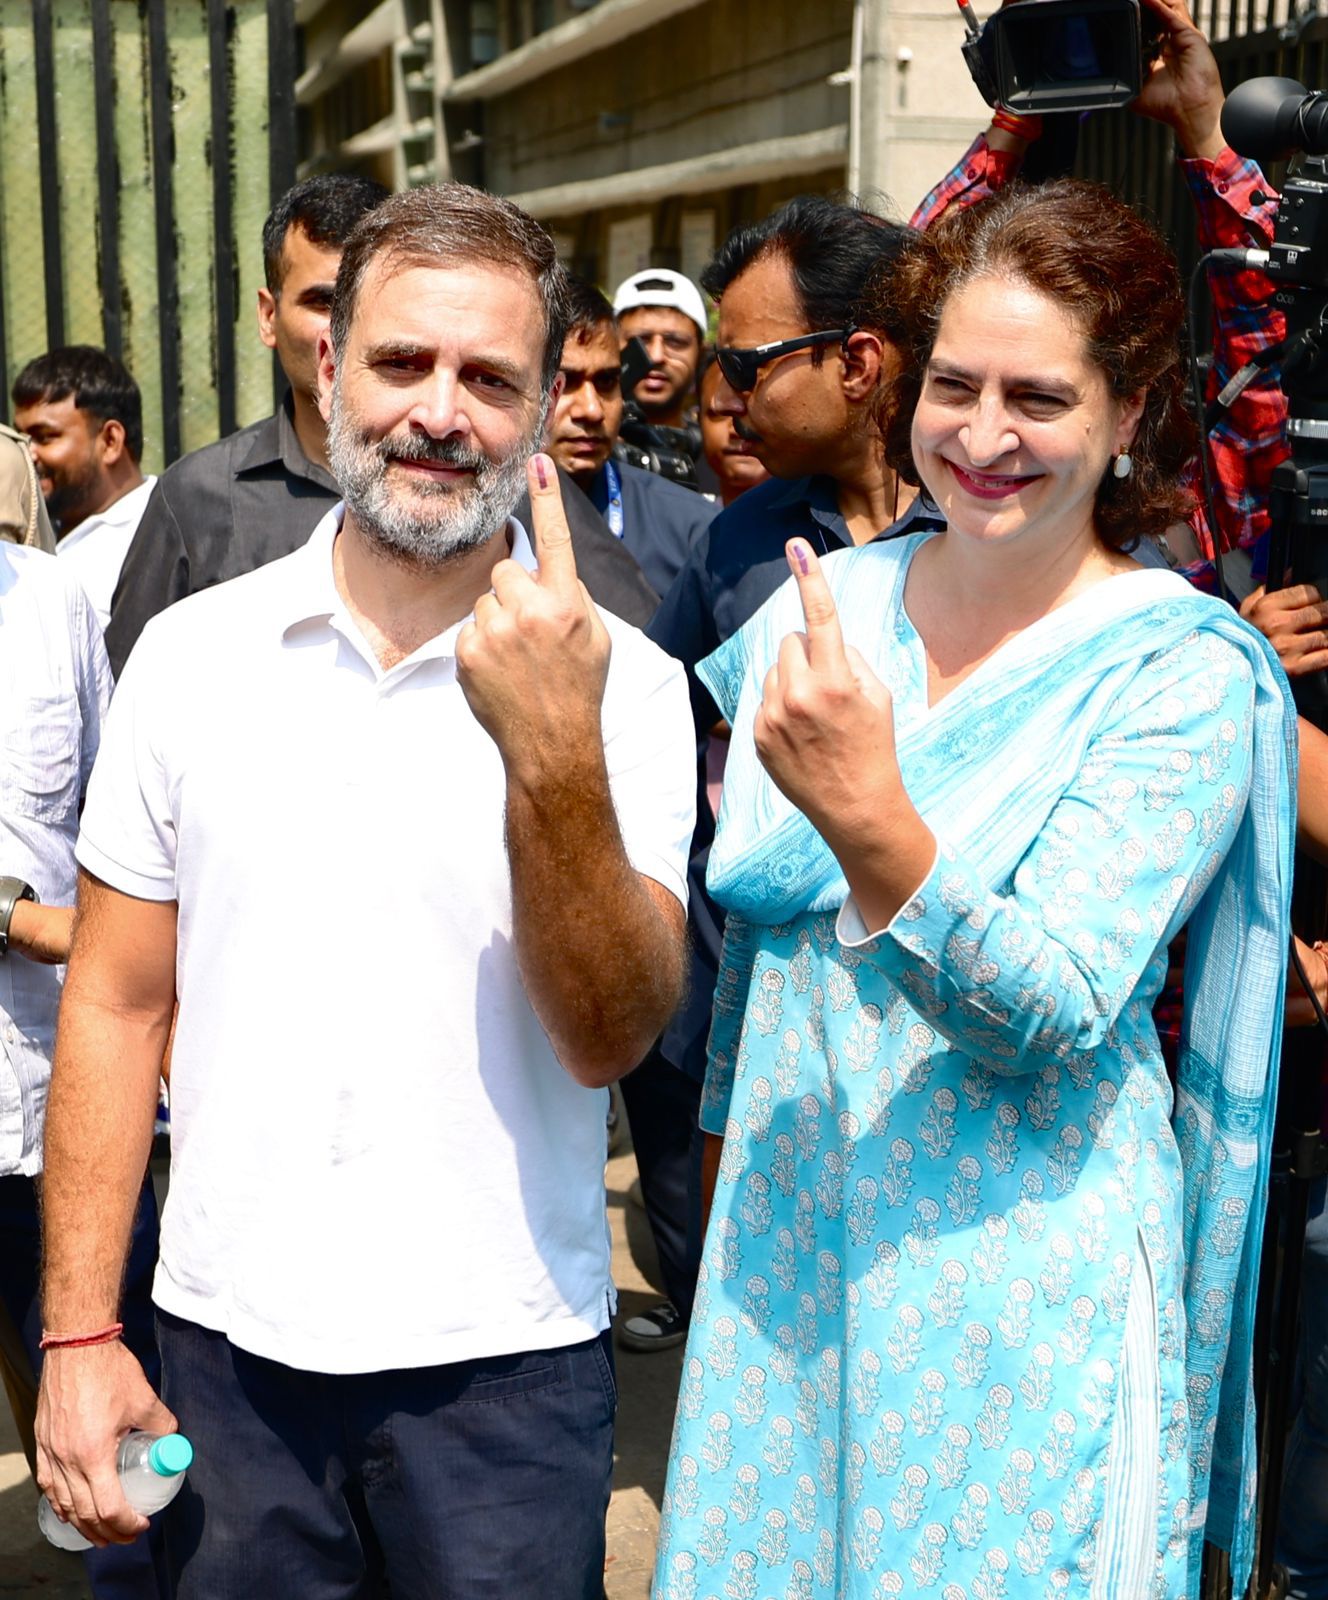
662 1108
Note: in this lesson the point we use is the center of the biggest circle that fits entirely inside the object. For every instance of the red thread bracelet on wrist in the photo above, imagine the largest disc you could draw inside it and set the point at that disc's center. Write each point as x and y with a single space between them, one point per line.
1026 128
75 1341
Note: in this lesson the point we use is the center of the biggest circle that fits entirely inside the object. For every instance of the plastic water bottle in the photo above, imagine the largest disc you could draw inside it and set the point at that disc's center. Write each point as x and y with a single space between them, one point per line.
151 1467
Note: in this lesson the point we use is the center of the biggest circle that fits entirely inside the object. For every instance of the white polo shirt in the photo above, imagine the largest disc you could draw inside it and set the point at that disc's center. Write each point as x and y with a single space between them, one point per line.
376 1159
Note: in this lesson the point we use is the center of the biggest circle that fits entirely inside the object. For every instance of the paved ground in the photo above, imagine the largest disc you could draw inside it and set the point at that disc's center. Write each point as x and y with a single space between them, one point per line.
28 1565
647 1389
647 1385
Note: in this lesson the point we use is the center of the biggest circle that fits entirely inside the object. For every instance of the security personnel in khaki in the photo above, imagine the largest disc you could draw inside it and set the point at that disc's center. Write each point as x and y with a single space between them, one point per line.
23 518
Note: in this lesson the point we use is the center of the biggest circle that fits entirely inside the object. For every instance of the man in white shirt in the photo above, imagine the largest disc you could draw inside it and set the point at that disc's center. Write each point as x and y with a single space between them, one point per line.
405 819
55 684
83 415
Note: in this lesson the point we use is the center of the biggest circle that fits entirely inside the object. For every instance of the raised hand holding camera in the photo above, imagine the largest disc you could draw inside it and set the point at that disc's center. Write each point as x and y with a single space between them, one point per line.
1183 87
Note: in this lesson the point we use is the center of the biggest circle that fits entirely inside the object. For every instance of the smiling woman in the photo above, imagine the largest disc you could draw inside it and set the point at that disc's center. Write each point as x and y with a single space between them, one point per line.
976 1292
1091 334
1015 425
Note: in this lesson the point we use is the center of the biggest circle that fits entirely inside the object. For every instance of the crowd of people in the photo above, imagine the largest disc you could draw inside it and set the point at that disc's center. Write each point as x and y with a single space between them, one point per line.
829 732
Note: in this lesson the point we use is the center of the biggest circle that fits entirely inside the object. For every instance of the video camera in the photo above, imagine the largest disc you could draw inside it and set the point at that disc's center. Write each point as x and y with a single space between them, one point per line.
668 452
1061 55
1266 118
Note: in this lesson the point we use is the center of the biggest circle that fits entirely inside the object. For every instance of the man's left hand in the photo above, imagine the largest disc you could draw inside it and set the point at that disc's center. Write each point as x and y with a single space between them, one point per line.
1299 1010
534 661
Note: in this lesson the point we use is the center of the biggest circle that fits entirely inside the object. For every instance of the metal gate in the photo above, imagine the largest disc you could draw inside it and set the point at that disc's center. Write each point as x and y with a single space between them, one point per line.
141 143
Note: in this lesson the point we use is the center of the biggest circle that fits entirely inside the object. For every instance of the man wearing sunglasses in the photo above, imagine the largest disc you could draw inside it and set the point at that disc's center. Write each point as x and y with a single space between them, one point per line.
796 379
798 376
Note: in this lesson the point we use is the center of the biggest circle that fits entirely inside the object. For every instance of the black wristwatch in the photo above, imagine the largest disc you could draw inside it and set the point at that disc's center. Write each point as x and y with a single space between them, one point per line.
12 890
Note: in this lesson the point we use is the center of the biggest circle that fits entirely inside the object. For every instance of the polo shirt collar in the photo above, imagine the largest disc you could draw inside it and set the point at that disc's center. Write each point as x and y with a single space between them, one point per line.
818 496
796 492
313 597
275 442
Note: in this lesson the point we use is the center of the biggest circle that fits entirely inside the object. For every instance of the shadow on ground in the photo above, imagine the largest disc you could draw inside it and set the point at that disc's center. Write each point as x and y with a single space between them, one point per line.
647 1392
29 1567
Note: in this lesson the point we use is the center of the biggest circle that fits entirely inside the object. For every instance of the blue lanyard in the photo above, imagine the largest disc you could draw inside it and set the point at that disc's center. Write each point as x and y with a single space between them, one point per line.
613 512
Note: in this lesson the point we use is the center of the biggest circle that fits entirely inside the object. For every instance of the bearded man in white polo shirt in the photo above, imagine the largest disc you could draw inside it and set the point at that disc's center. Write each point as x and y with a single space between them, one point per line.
404 820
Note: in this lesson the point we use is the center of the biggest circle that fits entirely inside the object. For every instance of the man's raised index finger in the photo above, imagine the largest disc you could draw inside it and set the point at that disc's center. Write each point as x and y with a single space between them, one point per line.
824 640
553 538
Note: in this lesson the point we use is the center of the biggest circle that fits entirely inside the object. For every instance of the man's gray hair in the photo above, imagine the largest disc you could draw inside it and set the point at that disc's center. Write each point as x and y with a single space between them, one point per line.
450 224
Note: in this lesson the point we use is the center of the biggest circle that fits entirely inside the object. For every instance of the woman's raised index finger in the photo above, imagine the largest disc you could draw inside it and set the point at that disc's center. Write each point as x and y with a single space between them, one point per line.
824 639
553 538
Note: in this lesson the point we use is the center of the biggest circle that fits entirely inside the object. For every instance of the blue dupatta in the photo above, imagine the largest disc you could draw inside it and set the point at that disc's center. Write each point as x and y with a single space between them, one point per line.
985 767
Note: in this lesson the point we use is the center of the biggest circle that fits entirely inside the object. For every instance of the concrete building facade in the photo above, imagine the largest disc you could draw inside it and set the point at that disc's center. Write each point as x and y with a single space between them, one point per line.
640 131
367 93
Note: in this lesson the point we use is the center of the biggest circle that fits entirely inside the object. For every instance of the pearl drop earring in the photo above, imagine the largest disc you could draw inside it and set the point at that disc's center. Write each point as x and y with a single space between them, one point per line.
1123 464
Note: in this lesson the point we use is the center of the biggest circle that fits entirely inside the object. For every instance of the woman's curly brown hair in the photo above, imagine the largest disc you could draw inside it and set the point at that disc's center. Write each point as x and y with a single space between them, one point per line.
1090 253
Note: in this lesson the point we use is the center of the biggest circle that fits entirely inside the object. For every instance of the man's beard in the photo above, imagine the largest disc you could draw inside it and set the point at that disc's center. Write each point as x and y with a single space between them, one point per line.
460 517
70 496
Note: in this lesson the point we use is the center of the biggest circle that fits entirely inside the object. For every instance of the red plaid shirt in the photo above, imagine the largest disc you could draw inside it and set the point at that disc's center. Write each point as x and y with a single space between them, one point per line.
1236 206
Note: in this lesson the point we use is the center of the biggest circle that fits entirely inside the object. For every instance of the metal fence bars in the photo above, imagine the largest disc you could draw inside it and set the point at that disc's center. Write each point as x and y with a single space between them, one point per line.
141 143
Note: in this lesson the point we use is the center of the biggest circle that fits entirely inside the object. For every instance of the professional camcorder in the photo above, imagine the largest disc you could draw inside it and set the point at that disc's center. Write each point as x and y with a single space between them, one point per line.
1267 118
1061 55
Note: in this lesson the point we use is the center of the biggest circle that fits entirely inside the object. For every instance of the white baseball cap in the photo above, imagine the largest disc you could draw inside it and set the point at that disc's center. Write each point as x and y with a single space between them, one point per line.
657 286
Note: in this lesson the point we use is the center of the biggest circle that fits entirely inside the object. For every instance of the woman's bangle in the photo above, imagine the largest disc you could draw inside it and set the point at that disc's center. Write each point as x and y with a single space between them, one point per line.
1025 128
75 1341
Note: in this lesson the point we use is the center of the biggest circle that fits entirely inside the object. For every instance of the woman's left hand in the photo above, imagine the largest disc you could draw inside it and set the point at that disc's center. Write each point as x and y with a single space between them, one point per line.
825 730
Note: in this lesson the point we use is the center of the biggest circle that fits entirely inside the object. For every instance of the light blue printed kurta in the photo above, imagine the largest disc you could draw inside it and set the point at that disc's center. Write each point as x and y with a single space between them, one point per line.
949 1166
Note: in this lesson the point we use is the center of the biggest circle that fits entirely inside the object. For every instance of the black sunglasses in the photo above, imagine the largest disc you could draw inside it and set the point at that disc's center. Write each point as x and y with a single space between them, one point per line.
741 368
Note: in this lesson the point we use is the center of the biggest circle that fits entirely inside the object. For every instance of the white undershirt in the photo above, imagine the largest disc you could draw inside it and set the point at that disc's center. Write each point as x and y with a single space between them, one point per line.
96 549
377 1160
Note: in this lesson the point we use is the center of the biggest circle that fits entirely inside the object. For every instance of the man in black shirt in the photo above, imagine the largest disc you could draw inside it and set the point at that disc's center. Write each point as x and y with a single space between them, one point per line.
794 280
258 494
807 414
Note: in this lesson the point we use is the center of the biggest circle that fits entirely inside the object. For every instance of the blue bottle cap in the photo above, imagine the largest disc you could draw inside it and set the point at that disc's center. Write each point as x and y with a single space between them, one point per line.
170 1455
